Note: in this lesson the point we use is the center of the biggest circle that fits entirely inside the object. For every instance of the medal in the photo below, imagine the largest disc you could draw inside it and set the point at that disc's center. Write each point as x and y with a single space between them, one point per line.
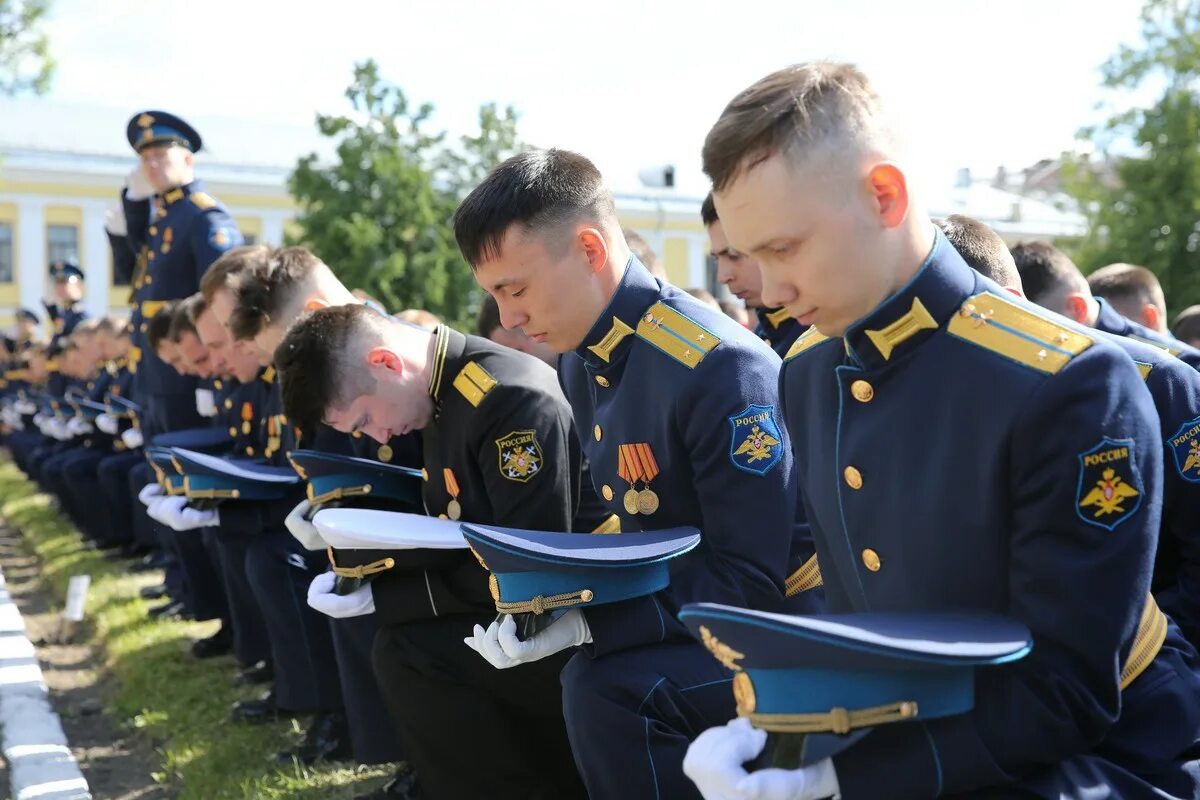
453 508
647 501
626 470
631 501
247 415
384 453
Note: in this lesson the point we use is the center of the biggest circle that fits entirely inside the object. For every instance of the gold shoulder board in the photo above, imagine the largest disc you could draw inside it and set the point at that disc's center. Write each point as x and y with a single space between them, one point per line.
676 335
1021 334
808 340
203 200
474 382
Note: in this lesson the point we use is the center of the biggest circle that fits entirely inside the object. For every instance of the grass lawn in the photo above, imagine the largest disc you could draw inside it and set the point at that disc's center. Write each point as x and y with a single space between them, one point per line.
180 703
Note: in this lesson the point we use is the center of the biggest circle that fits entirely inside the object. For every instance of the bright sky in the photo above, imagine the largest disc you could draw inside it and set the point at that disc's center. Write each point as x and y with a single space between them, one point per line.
629 82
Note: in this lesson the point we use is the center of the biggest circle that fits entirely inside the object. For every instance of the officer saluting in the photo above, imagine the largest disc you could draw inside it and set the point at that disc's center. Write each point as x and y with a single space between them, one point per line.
177 230
1037 494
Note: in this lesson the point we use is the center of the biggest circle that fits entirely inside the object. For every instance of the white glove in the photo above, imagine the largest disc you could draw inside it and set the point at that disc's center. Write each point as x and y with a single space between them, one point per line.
152 508
302 530
149 492
715 762
206 405
78 426
356 604
58 430
114 219
175 513
137 185
25 407
501 648
108 423
132 438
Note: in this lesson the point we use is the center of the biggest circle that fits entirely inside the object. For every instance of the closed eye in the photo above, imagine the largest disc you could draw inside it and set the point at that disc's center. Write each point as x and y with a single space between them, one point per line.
518 293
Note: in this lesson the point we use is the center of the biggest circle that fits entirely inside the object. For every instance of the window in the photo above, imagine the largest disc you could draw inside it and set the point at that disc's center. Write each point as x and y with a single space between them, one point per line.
62 243
6 252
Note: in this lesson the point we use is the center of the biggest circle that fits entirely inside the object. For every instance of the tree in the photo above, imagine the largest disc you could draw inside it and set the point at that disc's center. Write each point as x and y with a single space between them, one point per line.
381 215
1145 209
25 62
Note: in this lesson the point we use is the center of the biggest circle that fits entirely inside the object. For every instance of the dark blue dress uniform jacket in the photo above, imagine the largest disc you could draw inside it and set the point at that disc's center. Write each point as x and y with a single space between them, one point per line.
778 329
661 369
962 450
1110 321
185 231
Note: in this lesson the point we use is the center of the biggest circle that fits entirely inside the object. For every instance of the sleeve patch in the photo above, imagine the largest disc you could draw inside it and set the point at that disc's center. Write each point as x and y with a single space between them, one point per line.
1110 489
1185 447
756 444
520 456
222 238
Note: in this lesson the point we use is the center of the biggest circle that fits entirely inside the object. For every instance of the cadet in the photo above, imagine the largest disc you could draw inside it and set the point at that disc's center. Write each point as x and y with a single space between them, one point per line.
1134 292
1053 281
1040 481
1175 388
678 410
498 447
740 274
176 234
67 310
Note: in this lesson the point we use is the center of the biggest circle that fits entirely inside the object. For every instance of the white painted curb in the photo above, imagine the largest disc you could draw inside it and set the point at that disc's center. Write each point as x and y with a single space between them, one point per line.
40 764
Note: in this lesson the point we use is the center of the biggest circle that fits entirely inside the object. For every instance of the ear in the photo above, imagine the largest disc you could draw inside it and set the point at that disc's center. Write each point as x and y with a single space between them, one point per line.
1014 290
1150 317
384 358
315 304
1076 308
889 187
594 247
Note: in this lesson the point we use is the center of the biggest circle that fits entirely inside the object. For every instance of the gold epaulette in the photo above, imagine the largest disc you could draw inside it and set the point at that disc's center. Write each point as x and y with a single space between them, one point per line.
202 200
15 375
1020 334
676 335
474 382
808 576
1143 368
1166 348
808 340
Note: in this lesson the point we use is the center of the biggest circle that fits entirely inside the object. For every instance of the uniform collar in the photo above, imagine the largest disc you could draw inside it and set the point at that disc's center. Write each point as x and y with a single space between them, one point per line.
771 319
1109 321
914 313
448 348
173 196
608 340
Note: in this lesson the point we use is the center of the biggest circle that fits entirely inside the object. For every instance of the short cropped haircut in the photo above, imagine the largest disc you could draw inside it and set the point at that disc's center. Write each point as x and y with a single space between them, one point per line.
266 286
1047 273
1128 284
644 252
196 306
982 248
181 319
315 371
794 110
221 271
708 211
537 190
159 326
1187 325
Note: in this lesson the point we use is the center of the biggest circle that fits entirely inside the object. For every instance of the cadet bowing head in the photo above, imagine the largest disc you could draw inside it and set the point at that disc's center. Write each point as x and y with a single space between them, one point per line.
274 289
195 358
157 329
1052 280
217 285
807 179
738 271
1134 292
1187 326
542 235
356 370
983 250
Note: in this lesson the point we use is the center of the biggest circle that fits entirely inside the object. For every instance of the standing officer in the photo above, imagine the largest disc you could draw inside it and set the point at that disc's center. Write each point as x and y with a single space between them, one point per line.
679 413
499 447
740 274
177 230
66 311
1040 482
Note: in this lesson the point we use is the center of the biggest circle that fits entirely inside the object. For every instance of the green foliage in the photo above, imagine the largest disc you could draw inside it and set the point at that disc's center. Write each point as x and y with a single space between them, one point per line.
162 692
1145 209
25 61
381 215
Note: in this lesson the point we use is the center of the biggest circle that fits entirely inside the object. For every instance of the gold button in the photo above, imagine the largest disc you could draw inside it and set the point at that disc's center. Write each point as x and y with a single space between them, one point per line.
606 490
862 391
144 327
217 383
597 433
603 381
228 403
853 477
249 451
154 230
442 516
871 560
149 279
232 431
